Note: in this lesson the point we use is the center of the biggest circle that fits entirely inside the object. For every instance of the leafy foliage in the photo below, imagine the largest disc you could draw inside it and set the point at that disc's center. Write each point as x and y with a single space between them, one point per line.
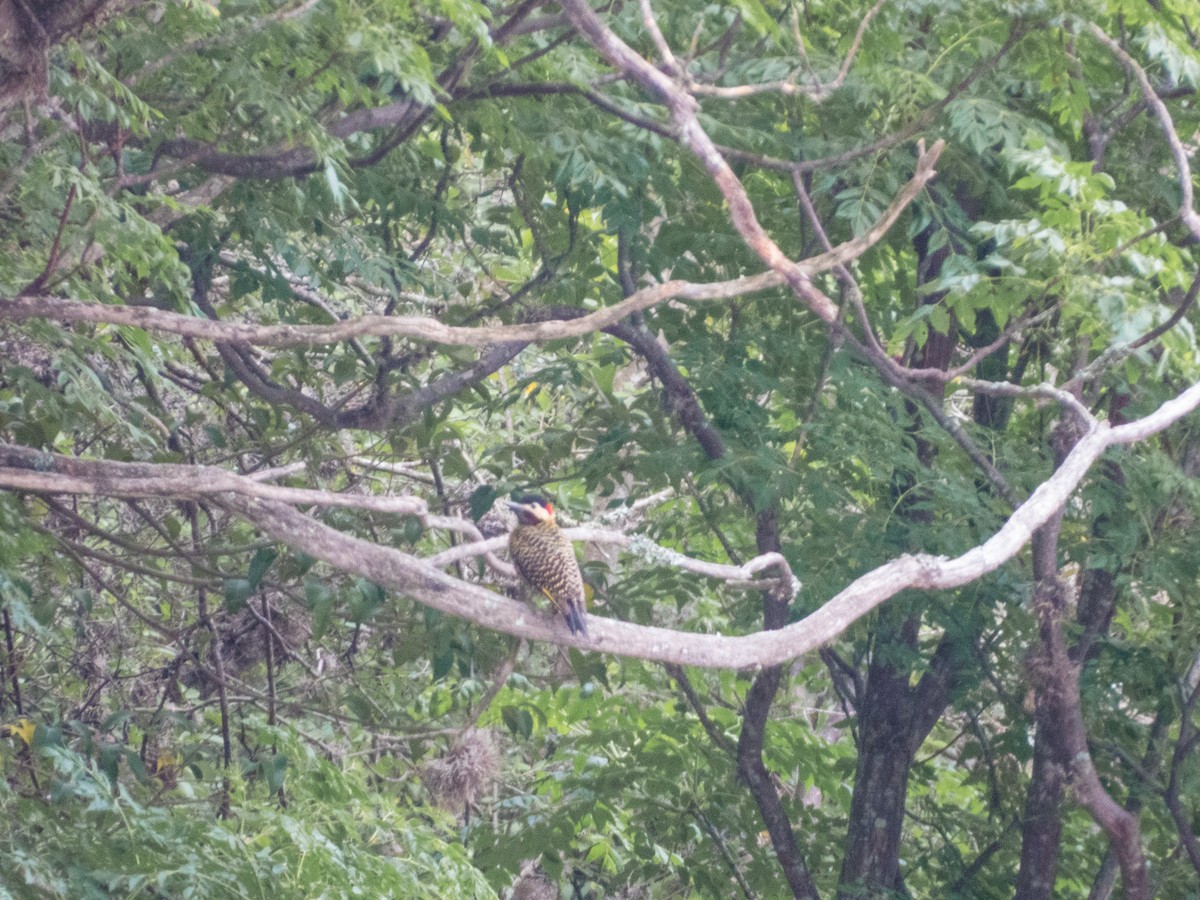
194 710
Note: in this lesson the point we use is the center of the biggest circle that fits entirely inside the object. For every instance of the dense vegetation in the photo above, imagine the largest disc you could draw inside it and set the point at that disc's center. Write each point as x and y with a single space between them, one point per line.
856 340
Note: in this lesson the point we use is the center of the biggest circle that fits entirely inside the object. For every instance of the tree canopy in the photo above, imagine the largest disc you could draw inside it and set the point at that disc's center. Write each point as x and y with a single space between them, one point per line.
853 343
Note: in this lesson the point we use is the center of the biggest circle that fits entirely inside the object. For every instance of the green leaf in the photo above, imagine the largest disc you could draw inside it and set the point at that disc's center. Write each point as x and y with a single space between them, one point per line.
939 319
518 720
366 600
134 761
259 565
319 599
274 771
109 761
758 17
482 500
443 662
237 592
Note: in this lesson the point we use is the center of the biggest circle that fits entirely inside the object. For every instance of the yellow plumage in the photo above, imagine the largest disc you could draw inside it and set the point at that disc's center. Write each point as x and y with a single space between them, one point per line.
546 560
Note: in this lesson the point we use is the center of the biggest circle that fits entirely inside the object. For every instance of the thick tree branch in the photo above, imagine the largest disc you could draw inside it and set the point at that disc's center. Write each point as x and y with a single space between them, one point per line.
399 411
621 110
46 473
382 411
415 327
26 470
1185 744
684 109
905 380
193 482
681 402
1062 755
1060 716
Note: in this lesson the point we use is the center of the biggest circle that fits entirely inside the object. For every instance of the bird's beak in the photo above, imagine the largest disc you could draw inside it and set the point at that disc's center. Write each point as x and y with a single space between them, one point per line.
512 504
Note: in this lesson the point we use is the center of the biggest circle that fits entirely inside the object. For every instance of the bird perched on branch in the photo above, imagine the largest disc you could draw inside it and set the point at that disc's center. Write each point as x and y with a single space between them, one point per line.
545 558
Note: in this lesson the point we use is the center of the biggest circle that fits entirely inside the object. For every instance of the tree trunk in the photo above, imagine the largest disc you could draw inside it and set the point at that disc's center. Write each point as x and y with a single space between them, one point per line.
871 864
1042 823
889 732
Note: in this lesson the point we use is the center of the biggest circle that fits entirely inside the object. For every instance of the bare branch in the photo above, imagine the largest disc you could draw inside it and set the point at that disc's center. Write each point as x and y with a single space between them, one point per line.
1046 391
855 44
1114 355
278 472
743 576
905 380
429 329
906 133
73 476
683 108
1187 209
718 737
670 63
27 470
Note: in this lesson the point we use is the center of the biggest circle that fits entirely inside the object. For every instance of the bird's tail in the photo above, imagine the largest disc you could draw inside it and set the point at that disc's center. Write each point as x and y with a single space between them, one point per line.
576 620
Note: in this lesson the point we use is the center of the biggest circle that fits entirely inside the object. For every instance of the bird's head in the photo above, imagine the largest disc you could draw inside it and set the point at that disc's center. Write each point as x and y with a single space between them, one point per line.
532 509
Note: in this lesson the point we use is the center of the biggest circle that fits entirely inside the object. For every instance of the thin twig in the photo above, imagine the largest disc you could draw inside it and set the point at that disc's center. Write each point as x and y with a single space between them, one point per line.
499 680
718 737
268 634
670 63
38 284
723 849
191 508
1187 211
1114 355
11 650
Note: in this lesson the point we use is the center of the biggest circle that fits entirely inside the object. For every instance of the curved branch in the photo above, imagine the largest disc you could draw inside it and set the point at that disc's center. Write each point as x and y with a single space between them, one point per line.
902 379
29 470
423 328
1187 209
1045 391
398 411
1114 355
684 109
20 309
743 576
47 473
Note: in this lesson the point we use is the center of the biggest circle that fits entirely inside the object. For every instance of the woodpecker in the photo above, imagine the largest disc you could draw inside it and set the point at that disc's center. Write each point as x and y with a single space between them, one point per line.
546 559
